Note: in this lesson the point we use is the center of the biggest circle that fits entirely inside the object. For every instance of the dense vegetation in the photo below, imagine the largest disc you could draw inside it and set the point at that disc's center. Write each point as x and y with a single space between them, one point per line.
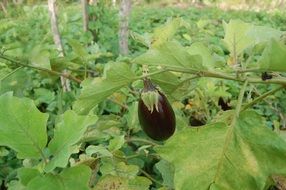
222 71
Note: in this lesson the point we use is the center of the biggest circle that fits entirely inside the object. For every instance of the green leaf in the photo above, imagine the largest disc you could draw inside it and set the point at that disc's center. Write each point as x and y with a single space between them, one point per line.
236 38
18 82
273 57
263 34
109 166
167 81
78 48
167 171
199 48
164 33
16 185
67 133
139 183
120 183
27 174
100 150
170 54
22 126
215 155
116 143
43 95
117 76
74 178
143 39
240 35
132 117
40 58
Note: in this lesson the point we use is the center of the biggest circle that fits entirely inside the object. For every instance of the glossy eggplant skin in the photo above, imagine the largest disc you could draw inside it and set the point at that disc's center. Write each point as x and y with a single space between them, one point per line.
159 124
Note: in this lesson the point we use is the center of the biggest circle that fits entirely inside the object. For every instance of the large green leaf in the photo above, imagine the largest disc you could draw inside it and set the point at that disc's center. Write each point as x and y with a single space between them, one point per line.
94 91
263 34
273 57
74 178
22 126
218 156
199 48
27 174
67 133
170 54
167 171
236 38
240 35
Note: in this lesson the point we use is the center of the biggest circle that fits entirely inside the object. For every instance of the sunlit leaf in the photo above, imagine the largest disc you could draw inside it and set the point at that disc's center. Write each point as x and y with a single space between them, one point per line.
240 35
199 48
22 126
167 171
67 133
218 156
95 91
273 57
236 38
170 54
74 178
27 174
165 33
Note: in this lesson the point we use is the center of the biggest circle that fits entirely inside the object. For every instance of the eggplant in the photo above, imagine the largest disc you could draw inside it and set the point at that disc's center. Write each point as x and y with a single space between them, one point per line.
224 104
156 115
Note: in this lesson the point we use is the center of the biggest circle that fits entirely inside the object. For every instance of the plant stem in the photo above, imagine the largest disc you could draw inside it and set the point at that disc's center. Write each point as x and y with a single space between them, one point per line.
261 97
141 140
220 75
150 177
68 76
118 103
230 130
9 74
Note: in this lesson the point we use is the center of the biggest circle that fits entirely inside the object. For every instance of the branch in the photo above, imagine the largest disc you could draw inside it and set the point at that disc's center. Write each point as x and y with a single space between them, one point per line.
141 140
261 97
219 75
65 75
151 178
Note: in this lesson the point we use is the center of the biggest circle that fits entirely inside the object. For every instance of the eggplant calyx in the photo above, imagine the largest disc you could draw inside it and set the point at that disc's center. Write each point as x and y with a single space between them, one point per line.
151 99
150 95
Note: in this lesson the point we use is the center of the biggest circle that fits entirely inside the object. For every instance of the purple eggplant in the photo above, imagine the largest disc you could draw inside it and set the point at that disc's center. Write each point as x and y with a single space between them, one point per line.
157 118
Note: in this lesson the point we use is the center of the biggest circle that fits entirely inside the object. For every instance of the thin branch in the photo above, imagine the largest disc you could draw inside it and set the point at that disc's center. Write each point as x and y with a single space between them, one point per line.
12 72
220 75
261 97
141 140
151 178
65 75
118 103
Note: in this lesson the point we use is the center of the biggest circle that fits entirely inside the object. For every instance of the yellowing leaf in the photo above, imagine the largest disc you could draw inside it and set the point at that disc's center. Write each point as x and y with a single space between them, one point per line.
218 156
